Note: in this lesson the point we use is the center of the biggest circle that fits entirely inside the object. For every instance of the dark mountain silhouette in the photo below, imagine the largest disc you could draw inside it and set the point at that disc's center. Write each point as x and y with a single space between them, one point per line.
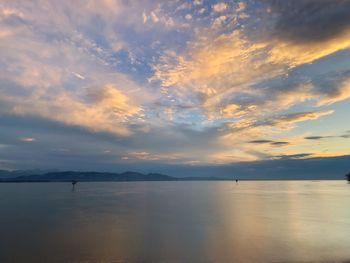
69 176
16 173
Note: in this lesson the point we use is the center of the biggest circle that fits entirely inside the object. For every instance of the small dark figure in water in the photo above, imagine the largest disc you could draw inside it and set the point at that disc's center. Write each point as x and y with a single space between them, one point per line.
348 177
237 181
74 182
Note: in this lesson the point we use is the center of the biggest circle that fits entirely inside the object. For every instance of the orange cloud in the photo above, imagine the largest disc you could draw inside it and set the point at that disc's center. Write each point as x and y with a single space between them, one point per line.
339 94
294 54
27 139
219 7
109 109
230 64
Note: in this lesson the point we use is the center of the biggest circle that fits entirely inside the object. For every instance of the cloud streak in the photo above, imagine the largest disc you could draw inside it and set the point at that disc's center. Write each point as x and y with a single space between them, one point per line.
274 143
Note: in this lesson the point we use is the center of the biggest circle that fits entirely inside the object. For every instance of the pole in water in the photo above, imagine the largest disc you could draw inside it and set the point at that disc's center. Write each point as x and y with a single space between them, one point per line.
74 182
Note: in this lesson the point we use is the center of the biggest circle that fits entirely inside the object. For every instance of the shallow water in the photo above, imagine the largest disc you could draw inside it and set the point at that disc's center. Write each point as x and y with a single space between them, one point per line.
252 221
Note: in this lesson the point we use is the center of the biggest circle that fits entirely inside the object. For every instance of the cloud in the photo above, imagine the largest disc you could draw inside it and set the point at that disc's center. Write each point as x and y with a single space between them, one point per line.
27 139
78 75
230 56
311 20
296 117
316 137
219 21
260 141
183 6
243 133
293 156
344 136
280 143
223 67
144 17
219 7
202 10
220 74
107 110
188 17
61 73
274 143
146 156
239 132
241 7
333 88
154 17
294 54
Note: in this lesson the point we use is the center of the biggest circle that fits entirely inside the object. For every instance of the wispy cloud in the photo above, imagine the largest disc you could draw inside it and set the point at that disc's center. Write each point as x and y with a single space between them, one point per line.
344 136
219 7
27 139
275 143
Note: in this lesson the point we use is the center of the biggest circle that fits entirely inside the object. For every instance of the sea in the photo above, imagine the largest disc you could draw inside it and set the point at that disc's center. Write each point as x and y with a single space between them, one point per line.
180 221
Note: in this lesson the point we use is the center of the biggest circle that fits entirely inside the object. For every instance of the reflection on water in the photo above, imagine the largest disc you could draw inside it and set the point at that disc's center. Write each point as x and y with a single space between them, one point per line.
267 221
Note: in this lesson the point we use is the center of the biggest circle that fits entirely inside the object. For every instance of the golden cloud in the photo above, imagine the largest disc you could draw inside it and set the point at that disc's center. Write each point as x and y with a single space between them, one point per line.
230 55
109 111
295 54
230 64
238 132
340 93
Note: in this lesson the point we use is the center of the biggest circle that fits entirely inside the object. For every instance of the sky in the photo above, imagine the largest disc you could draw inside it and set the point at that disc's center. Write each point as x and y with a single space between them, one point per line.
109 85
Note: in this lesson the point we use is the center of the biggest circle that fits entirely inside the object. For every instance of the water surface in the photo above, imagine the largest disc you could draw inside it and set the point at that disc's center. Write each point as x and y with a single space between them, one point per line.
252 221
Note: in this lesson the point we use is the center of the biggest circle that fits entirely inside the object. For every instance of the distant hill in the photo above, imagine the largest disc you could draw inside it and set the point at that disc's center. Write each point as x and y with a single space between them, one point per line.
88 177
17 173
68 176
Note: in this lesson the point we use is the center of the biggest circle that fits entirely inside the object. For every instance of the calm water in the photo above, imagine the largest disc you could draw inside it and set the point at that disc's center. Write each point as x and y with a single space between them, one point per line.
286 221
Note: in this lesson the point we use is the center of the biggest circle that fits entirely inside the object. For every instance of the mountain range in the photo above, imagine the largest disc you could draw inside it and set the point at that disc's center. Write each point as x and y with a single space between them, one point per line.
68 176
